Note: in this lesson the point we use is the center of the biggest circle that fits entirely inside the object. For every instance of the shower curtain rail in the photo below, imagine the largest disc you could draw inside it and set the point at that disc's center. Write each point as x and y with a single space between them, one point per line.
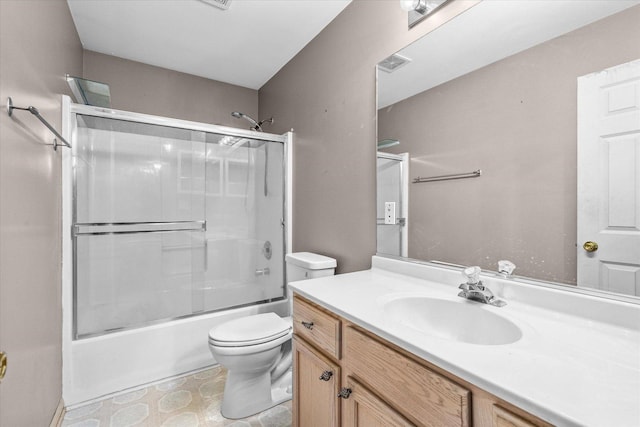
35 112
474 174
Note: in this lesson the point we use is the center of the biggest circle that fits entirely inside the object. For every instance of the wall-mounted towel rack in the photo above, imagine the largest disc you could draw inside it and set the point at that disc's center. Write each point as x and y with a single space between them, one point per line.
35 112
399 221
473 174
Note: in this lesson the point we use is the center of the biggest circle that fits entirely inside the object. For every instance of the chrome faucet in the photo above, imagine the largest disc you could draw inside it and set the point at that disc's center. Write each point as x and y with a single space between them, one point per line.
474 289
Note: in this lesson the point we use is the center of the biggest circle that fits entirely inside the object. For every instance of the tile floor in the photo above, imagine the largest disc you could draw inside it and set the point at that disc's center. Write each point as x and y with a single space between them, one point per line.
188 401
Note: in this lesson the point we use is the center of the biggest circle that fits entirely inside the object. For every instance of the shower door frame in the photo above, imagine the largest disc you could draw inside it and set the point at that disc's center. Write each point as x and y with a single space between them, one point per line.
69 131
403 212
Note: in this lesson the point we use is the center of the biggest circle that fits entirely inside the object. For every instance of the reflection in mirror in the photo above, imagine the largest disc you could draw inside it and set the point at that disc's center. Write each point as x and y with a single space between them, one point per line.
500 89
392 202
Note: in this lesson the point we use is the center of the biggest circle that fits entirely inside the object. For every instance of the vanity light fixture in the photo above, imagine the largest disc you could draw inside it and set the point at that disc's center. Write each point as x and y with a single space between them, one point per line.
420 9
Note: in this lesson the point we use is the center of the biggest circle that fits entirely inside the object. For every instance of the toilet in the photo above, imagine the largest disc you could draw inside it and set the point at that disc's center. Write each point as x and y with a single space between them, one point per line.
256 350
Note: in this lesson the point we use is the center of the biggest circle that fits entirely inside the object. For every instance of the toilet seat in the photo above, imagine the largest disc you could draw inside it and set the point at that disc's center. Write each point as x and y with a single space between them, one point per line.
250 330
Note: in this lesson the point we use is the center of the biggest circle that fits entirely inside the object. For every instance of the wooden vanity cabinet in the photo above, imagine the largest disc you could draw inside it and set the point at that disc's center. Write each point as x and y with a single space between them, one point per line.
316 367
381 384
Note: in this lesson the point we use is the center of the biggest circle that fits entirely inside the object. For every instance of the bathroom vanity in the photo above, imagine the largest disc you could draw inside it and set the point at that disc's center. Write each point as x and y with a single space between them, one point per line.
369 351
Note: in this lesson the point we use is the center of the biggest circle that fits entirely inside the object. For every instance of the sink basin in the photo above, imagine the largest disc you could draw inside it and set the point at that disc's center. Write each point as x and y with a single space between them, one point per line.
463 321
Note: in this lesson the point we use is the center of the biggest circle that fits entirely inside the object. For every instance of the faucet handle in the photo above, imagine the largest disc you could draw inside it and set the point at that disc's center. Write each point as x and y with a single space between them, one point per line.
465 287
506 267
472 274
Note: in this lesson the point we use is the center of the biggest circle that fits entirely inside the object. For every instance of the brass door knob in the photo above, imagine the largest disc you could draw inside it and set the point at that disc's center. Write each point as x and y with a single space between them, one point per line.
3 364
590 246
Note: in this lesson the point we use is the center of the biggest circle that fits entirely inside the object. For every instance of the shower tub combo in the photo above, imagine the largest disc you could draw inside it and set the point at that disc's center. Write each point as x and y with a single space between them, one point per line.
170 227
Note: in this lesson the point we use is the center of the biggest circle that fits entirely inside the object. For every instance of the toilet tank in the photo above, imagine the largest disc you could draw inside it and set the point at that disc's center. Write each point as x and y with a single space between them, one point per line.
307 265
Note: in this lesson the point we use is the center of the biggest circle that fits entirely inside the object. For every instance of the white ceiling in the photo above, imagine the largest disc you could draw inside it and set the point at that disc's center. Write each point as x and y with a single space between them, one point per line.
486 33
244 45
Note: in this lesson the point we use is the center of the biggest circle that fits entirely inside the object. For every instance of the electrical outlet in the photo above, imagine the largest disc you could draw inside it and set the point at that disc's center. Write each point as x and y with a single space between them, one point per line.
390 212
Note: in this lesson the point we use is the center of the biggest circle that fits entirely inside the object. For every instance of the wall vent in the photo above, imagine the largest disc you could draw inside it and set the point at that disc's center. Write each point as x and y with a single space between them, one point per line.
222 4
392 63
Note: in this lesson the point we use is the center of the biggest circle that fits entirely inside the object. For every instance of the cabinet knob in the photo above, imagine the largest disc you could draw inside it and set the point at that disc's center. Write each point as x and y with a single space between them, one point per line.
344 393
308 325
326 375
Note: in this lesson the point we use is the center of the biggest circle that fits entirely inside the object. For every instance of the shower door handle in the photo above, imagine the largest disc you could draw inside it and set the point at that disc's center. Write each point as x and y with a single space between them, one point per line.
206 253
138 227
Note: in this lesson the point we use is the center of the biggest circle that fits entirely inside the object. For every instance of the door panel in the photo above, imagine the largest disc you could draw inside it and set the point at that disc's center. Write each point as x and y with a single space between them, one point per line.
315 401
609 179
365 409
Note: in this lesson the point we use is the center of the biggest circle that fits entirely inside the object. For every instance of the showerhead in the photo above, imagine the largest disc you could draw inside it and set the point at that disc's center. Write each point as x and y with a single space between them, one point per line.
256 126
239 115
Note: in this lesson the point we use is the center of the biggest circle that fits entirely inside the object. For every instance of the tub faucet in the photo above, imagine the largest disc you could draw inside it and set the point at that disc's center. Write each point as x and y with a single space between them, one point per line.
474 289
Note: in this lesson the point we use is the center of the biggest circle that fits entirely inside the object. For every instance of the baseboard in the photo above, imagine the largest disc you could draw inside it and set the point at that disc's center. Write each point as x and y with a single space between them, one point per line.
58 416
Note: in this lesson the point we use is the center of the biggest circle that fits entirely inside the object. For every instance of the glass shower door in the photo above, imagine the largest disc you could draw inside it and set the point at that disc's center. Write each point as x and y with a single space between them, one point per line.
139 223
244 243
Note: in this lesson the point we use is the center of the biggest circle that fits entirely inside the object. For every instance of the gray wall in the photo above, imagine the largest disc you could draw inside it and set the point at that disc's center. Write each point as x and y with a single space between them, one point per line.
516 120
38 45
152 90
327 93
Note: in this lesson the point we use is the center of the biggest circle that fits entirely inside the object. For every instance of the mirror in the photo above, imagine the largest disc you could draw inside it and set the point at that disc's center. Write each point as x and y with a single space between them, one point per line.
496 98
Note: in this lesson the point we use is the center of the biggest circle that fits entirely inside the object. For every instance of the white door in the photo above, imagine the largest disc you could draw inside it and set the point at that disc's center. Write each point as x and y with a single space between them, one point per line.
609 179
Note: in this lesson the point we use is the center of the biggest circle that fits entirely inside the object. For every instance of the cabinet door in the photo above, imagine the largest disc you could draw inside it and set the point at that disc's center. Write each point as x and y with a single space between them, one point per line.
316 383
364 409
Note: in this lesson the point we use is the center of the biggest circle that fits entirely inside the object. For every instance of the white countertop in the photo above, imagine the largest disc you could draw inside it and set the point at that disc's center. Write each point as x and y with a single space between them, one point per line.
569 368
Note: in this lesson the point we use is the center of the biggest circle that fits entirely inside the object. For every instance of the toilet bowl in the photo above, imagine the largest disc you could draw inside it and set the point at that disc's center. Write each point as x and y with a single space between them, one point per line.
256 350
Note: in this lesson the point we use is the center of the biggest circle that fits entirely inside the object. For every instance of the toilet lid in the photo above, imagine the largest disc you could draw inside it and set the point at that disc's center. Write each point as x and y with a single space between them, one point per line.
249 330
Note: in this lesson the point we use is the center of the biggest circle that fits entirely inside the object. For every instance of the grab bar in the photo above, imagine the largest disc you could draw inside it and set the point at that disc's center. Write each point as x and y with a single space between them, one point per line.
137 227
473 174
35 112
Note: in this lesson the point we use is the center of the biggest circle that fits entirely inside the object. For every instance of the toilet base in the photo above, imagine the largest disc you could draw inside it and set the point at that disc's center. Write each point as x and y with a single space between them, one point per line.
246 395
282 390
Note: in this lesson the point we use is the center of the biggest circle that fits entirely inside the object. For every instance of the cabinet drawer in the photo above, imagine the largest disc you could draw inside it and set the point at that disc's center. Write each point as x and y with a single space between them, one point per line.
316 326
427 398
504 418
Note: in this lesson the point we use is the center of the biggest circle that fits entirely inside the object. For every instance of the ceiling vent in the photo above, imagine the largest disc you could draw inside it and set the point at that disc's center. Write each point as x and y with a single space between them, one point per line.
392 63
222 4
